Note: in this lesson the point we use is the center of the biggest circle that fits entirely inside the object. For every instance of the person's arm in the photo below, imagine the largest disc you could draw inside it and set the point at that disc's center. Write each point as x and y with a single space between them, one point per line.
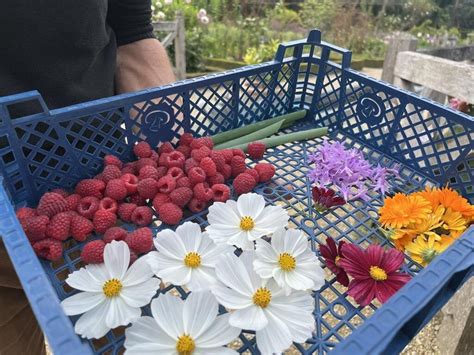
142 61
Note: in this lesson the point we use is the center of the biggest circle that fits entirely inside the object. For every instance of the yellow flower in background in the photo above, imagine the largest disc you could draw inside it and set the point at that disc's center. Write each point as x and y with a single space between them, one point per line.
453 222
424 250
401 210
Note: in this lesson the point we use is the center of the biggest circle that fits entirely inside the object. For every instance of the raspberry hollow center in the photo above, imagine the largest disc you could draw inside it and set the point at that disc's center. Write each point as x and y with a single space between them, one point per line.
112 287
247 223
192 260
185 345
262 297
287 262
377 273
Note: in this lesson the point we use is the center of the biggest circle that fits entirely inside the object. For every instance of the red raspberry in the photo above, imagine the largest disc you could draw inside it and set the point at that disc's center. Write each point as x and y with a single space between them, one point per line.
125 211
131 182
189 164
50 249
196 205
170 213
238 165
254 174
265 171
181 196
148 171
227 172
98 177
196 175
175 172
154 156
133 256
256 150
59 226
202 142
175 158
110 159
35 227
51 204
73 201
201 153
114 233
129 168
243 183
24 213
90 187
216 179
218 159
183 182
162 171
142 216
140 240
88 206
147 188
142 150
103 220
208 166
239 153
165 185
221 192
137 200
165 147
93 252
185 150
160 199
162 160
228 154
111 172
108 204
61 192
116 189
81 228
186 139
203 193
144 162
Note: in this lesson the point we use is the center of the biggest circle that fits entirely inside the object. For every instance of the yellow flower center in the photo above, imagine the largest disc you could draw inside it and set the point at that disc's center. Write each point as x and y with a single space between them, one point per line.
377 273
192 259
428 255
185 345
336 261
112 287
262 297
247 223
287 262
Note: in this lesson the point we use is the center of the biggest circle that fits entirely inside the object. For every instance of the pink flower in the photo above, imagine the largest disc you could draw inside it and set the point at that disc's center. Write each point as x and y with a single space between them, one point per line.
375 272
326 198
332 256
458 104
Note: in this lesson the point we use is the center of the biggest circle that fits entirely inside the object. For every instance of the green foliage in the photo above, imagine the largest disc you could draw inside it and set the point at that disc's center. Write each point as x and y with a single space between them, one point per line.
319 13
261 53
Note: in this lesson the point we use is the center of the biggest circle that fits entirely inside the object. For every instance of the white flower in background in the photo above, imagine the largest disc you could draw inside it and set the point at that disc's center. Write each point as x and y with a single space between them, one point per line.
289 260
204 20
260 305
187 2
182 327
168 2
241 223
160 16
201 13
112 292
186 257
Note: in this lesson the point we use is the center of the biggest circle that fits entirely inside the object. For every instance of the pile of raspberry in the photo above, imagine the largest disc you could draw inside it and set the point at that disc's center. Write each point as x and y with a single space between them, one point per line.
162 182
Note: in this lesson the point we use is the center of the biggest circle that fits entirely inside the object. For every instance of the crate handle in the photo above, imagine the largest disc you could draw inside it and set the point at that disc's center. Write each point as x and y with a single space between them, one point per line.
23 97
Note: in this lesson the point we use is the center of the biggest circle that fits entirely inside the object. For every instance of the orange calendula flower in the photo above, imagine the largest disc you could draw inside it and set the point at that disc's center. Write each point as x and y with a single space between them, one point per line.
448 198
401 210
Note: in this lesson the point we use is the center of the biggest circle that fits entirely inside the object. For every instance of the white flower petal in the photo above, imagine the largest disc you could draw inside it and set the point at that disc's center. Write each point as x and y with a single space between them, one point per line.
265 251
295 242
298 321
170 244
232 272
120 313
250 204
257 233
223 234
91 325
278 240
117 259
298 281
141 294
202 278
218 334
146 337
231 299
272 218
179 275
263 269
86 279
250 318
241 240
200 311
223 213
139 272
214 351
274 338
190 234
247 258
82 302
211 252
167 310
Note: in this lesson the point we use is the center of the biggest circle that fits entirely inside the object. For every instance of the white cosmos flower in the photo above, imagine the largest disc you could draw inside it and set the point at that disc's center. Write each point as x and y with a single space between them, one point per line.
289 260
112 292
241 223
186 257
261 305
182 327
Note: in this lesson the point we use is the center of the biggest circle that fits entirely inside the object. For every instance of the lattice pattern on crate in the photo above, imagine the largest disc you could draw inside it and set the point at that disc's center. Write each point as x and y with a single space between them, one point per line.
255 97
327 106
284 90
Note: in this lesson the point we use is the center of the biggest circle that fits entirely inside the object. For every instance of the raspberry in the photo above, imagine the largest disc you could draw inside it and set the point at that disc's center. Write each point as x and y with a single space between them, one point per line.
93 252
147 188
265 171
218 159
256 150
24 213
116 189
228 154
208 166
144 162
50 249
59 226
154 156
202 142
166 184
170 213
142 150
216 179
129 168
51 204
142 216
202 193
137 199
148 171
196 205
189 164
175 172
131 182
196 175
185 150
98 177
114 233
238 165
133 257
88 206
111 172
243 183
186 139
238 153
201 153
61 192
125 211
221 192
165 147
183 182
227 172
162 171
103 220
175 158
110 159
254 174
160 199
90 187
73 201
181 196
81 228
35 227
108 204
162 160
140 240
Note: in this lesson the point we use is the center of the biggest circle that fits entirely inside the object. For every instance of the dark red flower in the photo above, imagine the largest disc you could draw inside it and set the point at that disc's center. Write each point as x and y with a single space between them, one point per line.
326 198
332 255
375 272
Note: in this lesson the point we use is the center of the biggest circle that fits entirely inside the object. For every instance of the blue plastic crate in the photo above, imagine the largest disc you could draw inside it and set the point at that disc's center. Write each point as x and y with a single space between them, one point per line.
432 144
